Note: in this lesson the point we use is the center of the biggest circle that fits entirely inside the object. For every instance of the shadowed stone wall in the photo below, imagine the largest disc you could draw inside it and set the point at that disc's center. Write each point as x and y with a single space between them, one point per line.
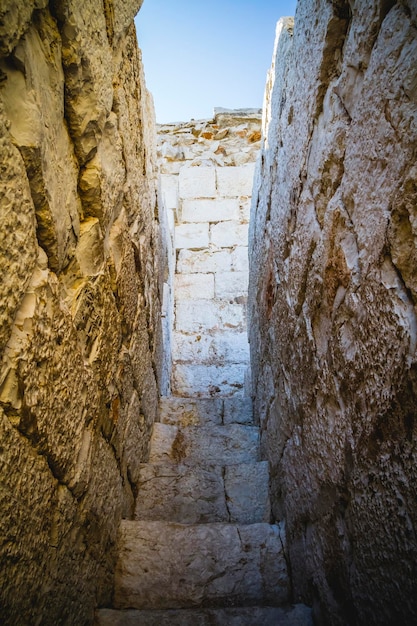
79 315
333 297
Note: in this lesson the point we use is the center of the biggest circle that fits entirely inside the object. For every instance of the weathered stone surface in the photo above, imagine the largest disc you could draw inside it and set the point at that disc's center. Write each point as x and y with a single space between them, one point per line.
194 286
217 348
205 261
209 380
102 180
204 411
233 234
201 494
208 221
247 492
194 236
218 445
18 245
202 316
236 181
231 285
332 305
197 182
119 15
232 138
237 411
169 190
79 314
210 210
179 493
240 259
15 20
24 498
87 59
33 96
219 563
298 615
191 411
200 535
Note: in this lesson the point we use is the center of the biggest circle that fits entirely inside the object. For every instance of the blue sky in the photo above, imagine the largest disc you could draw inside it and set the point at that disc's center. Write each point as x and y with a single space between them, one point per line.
202 54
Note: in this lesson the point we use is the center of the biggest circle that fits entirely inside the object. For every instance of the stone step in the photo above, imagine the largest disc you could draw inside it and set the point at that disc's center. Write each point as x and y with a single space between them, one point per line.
164 565
298 615
202 494
191 411
204 411
237 411
217 445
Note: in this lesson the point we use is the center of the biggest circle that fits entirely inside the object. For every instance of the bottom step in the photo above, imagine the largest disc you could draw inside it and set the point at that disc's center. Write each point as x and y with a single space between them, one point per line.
298 615
163 565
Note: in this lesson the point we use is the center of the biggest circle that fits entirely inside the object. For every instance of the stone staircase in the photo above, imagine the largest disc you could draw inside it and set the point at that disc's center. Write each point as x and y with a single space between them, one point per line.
201 549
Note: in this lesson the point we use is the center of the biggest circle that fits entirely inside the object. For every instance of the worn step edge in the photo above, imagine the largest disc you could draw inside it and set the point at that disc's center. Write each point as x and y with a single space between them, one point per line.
296 615
197 494
184 412
169 566
231 444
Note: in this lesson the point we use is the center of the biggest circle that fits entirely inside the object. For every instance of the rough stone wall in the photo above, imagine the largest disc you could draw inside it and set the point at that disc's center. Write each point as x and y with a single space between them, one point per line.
79 314
333 298
205 188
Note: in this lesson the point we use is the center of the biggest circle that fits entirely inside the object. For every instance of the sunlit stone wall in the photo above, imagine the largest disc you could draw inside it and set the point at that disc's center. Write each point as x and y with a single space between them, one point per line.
206 184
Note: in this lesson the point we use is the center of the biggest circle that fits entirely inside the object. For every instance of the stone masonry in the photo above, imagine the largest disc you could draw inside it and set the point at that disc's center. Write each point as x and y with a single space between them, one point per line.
205 188
333 295
79 300
116 287
201 549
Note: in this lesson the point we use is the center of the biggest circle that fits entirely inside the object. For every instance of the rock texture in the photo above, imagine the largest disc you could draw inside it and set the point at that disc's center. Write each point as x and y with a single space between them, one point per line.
333 305
163 565
79 314
205 188
201 542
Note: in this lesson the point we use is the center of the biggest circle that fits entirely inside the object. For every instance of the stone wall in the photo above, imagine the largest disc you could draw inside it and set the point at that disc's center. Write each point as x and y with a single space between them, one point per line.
333 297
205 188
79 315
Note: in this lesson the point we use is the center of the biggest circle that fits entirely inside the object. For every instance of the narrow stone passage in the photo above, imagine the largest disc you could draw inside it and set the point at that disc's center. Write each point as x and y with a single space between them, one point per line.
201 549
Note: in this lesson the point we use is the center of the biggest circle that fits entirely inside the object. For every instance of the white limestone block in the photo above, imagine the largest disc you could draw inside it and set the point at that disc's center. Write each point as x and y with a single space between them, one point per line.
230 234
168 565
191 411
248 389
189 495
171 153
206 380
240 261
222 347
205 261
194 286
235 181
213 445
241 158
237 410
170 167
192 236
244 207
197 494
170 215
247 492
231 284
203 315
169 190
197 182
210 210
